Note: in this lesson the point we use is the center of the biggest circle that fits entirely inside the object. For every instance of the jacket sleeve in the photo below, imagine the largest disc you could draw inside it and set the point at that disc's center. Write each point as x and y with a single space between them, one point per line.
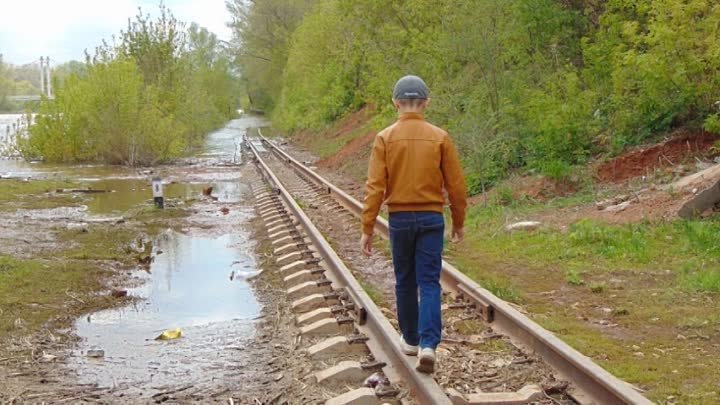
375 186
454 182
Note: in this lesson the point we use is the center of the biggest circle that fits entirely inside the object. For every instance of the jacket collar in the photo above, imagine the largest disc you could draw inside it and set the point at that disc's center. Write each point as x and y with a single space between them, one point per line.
411 116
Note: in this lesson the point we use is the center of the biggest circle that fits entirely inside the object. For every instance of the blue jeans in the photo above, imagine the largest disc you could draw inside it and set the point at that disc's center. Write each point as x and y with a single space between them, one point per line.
417 243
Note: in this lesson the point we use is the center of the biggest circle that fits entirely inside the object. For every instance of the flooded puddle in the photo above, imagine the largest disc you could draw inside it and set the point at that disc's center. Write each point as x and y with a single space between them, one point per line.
197 282
130 187
125 194
188 287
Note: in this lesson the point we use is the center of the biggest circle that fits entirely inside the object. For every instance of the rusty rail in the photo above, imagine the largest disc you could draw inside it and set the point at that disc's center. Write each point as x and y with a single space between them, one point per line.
591 383
368 316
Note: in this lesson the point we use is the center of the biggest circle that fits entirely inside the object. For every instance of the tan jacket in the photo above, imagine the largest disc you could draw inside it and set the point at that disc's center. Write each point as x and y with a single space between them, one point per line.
412 160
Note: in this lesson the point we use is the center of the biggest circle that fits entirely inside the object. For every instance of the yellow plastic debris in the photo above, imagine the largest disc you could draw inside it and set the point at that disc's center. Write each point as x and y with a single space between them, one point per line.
170 334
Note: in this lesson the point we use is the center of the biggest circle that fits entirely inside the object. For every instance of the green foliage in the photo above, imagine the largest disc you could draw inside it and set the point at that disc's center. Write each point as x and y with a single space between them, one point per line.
5 85
150 98
701 279
686 248
17 80
712 124
655 64
262 31
611 242
598 288
44 283
543 84
505 195
500 287
574 277
331 94
67 69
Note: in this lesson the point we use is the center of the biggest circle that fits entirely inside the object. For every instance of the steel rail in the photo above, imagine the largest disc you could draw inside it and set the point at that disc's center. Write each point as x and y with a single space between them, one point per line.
591 383
425 389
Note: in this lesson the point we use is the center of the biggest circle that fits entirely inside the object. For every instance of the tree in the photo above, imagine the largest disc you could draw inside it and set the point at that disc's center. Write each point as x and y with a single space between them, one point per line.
532 84
65 70
262 32
151 98
5 85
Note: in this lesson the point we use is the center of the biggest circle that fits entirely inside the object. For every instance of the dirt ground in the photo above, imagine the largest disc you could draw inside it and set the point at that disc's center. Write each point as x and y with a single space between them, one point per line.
677 150
349 151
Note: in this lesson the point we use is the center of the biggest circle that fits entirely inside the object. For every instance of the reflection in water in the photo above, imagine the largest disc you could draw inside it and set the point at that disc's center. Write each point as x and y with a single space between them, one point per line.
188 287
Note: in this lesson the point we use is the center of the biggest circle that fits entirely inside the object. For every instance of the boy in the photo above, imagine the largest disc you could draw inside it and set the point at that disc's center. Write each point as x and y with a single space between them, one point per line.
410 164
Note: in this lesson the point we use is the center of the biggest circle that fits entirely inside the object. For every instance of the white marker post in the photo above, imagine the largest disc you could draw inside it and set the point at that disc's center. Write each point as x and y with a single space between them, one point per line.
158 192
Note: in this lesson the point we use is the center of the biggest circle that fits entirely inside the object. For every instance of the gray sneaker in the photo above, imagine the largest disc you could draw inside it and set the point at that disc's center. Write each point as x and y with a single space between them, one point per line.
426 360
410 350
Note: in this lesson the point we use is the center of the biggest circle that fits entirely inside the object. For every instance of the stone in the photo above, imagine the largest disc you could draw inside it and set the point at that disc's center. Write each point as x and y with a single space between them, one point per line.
298 265
314 316
360 396
333 346
119 293
523 396
343 371
618 207
328 326
300 277
95 353
306 288
523 226
286 248
309 303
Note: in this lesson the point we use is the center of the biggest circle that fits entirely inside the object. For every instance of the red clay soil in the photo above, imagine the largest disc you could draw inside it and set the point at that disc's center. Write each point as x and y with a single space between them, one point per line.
351 150
349 123
643 161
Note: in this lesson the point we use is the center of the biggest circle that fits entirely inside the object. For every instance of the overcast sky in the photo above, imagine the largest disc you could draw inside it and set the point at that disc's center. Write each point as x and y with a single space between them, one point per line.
63 29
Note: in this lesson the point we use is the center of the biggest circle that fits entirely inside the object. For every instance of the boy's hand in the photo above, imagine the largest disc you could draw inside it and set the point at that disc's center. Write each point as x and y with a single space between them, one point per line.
458 234
366 244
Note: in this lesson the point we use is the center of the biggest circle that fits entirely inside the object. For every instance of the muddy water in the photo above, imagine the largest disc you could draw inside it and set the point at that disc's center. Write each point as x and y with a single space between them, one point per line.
198 280
130 187
189 287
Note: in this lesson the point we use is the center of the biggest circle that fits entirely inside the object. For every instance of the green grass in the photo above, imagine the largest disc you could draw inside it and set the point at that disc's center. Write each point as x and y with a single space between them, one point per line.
325 147
66 281
57 285
34 291
270 132
374 293
150 215
11 187
688 248
574 277
35 194
696 277
98 244
652 281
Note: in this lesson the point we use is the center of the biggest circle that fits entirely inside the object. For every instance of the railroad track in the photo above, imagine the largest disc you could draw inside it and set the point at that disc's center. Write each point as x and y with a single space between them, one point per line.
332 305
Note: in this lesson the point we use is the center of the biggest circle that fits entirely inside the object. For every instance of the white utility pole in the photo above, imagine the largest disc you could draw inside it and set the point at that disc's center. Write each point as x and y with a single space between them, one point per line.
48 82
42 76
